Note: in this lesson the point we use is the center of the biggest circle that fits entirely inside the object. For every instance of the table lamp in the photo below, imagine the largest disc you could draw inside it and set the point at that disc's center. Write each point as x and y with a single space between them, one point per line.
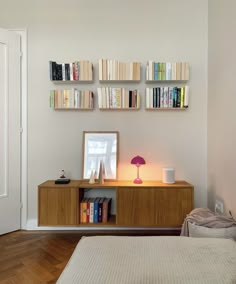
138 161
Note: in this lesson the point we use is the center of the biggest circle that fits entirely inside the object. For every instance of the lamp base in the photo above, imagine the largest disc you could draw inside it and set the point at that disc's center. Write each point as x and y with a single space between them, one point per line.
138 180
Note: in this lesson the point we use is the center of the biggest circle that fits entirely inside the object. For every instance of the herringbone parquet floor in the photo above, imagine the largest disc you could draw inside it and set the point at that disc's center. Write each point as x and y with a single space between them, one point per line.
35 257
39 257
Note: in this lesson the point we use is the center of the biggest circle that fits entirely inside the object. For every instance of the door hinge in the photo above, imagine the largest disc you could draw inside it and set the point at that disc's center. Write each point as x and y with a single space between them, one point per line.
21 205
21 130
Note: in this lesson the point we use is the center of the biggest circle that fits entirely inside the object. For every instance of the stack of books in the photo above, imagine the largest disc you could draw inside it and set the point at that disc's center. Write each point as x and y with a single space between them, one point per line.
119 98
167 71
167 97
73 98
95 210
75 71
112 69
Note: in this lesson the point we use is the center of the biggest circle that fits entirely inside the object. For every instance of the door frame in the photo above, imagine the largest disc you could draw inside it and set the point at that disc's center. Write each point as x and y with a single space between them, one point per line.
24 127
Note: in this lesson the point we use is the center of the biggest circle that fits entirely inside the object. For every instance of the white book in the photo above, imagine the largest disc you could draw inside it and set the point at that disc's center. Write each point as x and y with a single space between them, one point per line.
108 69
138 100
123 98
107 97
99 98
71 72
186 96
71 98
100 69
186 71
150 70
113 69
168 71
151 97
147 71
75 98
104 99
166 97
90 71
173 71
147 98
131 66
63 72
113 97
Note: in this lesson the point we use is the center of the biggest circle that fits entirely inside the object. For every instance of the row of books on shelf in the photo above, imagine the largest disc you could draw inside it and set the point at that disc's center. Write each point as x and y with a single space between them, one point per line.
95 210
112 69
74 71
72 98
167 71
109 97
120 98
167 97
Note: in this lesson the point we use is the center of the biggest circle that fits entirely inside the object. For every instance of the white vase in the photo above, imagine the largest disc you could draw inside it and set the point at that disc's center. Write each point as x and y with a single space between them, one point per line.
92 179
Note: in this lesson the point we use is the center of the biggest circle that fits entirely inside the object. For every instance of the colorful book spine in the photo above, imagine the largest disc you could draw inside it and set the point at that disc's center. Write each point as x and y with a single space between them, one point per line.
83 211
95 217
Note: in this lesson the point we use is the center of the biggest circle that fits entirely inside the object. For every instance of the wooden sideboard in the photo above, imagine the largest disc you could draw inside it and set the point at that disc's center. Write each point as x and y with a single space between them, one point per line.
150 204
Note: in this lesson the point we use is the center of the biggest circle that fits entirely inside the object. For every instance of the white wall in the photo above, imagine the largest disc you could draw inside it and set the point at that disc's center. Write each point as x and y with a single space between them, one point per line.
221 106
67 30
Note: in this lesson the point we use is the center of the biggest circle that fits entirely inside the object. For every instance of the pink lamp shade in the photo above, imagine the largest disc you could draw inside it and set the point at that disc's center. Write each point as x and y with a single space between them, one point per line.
138 161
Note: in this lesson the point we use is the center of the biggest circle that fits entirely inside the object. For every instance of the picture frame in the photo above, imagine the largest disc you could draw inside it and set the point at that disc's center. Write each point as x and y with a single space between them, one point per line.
100 147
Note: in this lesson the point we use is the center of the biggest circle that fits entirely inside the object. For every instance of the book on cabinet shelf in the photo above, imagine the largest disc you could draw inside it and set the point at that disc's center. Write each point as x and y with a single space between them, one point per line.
118 98
71 99
114 70
75 71
95 210
167 97
164 71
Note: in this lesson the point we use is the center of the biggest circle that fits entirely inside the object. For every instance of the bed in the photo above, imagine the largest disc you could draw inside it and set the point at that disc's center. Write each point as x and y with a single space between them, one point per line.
149 260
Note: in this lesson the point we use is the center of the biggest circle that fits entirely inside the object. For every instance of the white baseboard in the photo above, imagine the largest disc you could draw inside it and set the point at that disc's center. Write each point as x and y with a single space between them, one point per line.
32 225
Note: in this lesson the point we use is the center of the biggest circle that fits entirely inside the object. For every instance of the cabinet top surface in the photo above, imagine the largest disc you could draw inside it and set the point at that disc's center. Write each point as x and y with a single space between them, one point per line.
118 183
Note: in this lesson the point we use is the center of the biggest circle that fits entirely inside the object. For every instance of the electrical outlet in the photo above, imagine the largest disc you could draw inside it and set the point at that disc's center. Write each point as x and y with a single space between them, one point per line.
219 207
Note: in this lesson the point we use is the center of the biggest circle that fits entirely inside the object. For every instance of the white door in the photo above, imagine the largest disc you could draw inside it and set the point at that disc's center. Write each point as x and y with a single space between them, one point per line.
10 84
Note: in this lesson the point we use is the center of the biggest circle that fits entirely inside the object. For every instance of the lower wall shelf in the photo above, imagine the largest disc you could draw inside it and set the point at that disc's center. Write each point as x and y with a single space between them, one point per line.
149 205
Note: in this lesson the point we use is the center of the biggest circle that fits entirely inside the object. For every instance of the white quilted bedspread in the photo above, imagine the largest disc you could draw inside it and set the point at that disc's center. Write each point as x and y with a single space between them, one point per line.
150 260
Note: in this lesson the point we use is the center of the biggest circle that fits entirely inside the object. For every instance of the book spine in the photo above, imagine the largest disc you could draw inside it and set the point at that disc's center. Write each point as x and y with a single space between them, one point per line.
88 210
182 97
67 71
186 96
91 211
100 209
95 220
83 211
105 211
178 101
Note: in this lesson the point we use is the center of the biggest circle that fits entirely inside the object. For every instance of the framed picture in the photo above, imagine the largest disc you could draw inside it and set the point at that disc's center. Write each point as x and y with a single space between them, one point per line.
100 147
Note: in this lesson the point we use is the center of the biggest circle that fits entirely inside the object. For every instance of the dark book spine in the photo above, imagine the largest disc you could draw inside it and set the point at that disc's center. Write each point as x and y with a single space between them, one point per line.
100 210
53 70
67 71
158 97
178 101
130 98
59 72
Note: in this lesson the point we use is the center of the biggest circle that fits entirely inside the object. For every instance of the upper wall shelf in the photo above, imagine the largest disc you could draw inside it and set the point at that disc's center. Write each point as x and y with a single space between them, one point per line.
78 71
167 71
114 70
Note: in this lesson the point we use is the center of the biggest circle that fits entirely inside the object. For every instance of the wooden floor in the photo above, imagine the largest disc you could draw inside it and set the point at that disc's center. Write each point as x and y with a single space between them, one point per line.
39 257
35 257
